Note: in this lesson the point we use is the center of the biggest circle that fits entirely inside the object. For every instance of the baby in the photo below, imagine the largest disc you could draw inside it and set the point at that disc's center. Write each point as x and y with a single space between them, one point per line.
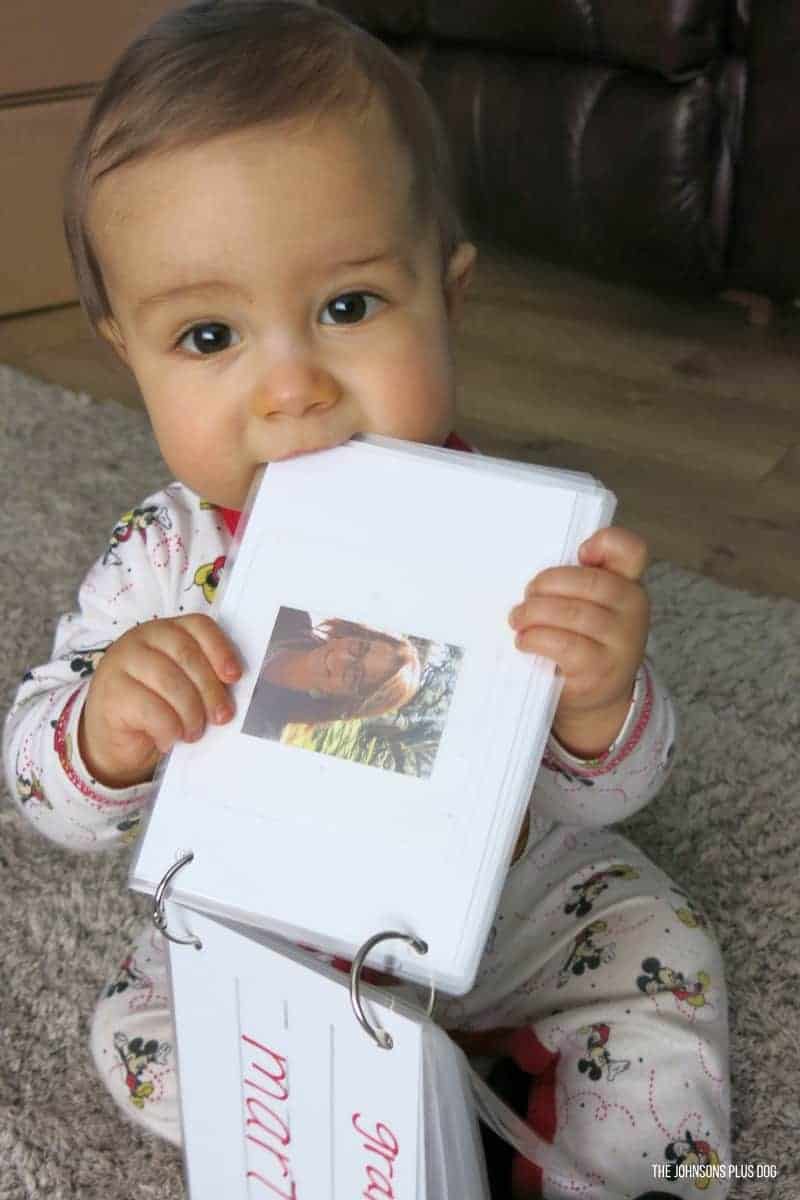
263 226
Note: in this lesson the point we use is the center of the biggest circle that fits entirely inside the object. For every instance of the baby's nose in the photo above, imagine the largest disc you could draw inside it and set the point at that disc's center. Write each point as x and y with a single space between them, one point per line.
294 389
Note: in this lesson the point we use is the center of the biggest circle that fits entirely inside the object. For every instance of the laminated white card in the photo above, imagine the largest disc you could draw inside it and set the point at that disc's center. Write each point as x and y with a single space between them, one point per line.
388 732
284 1095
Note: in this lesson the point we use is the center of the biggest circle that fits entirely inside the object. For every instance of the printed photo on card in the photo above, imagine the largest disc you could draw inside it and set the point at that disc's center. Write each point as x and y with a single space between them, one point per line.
339 687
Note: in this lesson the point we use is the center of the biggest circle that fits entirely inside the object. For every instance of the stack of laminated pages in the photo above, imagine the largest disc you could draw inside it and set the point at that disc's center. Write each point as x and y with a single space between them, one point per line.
364 802
388 731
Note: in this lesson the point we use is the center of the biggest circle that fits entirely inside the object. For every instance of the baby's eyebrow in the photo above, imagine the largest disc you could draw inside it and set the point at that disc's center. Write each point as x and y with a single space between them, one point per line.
187 290
392 257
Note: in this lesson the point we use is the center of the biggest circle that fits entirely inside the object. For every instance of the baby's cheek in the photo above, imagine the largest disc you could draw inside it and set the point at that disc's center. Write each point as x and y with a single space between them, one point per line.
414 393
423 410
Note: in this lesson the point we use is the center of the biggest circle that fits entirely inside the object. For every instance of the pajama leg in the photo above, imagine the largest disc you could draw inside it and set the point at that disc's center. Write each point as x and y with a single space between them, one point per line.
602 980
133 1040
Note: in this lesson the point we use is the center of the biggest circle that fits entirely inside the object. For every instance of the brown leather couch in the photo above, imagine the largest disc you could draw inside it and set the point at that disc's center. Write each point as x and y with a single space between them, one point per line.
656 141
651 139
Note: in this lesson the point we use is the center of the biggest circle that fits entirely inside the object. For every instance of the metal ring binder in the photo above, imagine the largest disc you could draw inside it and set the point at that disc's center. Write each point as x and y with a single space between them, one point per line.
378 1035
160 916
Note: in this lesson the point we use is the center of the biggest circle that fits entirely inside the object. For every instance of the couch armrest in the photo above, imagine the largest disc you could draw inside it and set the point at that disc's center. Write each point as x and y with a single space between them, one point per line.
765 255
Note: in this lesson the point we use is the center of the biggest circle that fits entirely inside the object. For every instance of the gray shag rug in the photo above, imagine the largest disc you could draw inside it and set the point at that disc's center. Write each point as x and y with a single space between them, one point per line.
727 826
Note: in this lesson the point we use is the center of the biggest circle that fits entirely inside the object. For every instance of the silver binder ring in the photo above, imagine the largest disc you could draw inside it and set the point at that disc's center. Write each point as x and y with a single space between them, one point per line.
378 1035
159 913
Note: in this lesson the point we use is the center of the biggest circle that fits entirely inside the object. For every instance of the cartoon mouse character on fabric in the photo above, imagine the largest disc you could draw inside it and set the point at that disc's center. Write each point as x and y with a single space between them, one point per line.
135 519
598 1057
586 954
660 978
137 1055
208 576
588 891
690 1151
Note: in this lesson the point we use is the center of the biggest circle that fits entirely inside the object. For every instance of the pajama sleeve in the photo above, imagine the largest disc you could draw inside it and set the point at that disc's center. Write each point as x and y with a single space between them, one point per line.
147 571
602 791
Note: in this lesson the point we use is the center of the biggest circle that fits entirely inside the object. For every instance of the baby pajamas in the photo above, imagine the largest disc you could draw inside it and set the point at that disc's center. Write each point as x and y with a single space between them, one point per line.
600 979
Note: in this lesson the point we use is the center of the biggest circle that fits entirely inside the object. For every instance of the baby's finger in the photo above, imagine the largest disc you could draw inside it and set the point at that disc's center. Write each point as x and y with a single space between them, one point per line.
574 615
173 664
147 717
591 584
577 657
217 646
616 549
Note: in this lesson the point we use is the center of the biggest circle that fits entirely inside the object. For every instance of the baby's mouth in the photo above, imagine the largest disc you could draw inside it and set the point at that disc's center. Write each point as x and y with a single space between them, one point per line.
311 445
301 453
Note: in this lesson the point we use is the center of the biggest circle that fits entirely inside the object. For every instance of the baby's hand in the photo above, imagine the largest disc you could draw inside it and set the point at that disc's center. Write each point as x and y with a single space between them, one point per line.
592 620
160 682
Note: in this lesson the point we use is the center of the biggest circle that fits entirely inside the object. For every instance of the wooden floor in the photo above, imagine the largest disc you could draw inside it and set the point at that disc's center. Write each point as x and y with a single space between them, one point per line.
690 414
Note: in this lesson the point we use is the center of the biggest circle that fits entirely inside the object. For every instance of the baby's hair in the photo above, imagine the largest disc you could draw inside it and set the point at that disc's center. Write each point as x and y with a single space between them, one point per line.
212 68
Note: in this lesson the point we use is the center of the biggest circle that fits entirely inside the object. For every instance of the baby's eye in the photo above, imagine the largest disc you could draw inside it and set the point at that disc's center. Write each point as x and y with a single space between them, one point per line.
350 308
209 337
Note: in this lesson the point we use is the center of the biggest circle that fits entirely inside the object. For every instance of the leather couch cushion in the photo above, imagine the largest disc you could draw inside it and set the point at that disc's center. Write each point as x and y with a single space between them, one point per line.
765 251
672 37
599 166
739 25
387 18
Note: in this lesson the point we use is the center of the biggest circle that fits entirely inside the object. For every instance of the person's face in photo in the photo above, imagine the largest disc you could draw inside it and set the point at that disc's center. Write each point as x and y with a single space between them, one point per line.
346 666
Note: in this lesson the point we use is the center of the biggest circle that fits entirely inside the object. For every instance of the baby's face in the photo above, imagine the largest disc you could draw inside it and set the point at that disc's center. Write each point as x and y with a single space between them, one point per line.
273 295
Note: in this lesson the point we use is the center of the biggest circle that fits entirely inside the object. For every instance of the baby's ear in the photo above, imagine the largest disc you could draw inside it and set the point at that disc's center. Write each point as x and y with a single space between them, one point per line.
457 276
110 331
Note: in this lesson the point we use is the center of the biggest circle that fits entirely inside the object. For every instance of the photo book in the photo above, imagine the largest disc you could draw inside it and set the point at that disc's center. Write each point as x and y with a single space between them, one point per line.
388 731
283 1094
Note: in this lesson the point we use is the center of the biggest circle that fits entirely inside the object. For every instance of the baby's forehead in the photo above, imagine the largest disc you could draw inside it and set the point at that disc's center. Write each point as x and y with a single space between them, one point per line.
365 136
367 123
266 201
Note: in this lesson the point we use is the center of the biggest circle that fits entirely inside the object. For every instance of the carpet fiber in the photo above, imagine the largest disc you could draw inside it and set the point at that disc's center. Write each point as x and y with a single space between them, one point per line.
727 826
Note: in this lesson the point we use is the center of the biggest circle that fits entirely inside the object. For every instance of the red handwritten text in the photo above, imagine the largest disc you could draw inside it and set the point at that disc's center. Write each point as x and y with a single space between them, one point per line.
381 1145
265 1092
